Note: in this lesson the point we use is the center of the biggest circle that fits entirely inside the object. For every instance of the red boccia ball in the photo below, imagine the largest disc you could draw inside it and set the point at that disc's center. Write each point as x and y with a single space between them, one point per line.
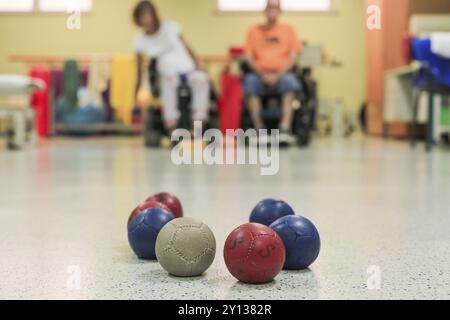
171 201
151 204
254 253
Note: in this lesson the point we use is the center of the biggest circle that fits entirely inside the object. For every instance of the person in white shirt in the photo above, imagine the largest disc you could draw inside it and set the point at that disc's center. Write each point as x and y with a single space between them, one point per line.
163 40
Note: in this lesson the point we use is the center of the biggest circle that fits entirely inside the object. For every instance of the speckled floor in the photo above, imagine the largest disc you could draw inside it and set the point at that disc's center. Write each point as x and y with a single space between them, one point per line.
64 206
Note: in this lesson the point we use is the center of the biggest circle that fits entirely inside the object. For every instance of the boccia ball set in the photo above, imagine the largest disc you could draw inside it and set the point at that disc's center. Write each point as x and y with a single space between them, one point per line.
184 247
254 253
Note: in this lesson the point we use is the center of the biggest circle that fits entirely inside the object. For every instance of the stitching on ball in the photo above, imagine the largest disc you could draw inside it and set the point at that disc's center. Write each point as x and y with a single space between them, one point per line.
140 224
252 243
250 248
179 253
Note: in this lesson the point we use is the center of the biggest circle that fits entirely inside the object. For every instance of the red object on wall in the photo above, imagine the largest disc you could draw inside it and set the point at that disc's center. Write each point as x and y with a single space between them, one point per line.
40 100
230 103
236 52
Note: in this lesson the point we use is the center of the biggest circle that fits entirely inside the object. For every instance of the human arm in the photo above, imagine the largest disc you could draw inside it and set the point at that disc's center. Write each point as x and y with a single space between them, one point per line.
190 51
271 78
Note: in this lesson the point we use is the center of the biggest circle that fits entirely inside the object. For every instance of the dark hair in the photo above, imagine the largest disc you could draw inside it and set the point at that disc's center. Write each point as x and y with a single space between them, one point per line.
142 7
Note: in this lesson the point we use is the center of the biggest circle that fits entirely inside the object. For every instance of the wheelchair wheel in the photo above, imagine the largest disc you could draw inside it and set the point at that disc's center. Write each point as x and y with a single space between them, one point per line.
303 125
10 141
246 121
152 139
153 128
303 138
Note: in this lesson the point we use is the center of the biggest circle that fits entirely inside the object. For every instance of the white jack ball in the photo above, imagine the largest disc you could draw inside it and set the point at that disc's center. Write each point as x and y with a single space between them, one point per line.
185 247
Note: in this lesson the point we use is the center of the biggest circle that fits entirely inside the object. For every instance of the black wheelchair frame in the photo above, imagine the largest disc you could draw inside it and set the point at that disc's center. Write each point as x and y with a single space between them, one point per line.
153 121
305 106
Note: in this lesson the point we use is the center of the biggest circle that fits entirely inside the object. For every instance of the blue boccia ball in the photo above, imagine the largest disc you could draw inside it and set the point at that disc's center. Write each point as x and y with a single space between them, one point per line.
270 210
144 229
301 241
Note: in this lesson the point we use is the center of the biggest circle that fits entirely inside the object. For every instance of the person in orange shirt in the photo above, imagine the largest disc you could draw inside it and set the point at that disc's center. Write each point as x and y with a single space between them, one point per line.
272 50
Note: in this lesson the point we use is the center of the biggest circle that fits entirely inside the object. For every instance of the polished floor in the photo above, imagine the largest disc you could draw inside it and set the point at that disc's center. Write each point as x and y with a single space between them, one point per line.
382 209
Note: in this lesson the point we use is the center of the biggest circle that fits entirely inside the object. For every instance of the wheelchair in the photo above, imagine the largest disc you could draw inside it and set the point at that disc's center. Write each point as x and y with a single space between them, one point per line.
153 128
305 106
